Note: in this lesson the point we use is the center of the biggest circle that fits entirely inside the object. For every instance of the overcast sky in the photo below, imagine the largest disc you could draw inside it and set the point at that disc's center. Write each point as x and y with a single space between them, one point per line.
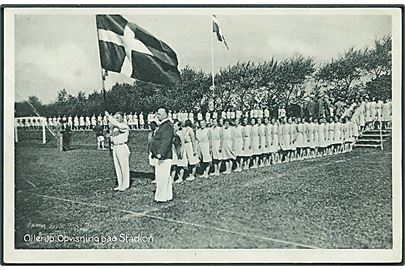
60 51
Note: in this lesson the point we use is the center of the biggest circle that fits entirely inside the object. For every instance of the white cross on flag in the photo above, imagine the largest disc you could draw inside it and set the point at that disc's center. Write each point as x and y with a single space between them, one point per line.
128 49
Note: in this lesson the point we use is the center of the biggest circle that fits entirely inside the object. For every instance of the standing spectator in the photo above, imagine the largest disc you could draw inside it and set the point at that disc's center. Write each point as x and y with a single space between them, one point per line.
255 113
386 114
199 116
339 107
66 137
215 115
135 119
223 114
100 119
208 116
54 120
59 134
82 123
260 113
266 113
282 112
105 122
88 122
70 121
162 150
119 138
170 116
233 115
311 106
141 121
367 112
99 130
50 123
149 118
93 121
76 122
228 114
190 117
238 114
379 112
130 121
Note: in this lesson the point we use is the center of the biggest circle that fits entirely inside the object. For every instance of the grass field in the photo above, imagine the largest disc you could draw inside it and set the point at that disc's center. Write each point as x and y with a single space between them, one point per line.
341 201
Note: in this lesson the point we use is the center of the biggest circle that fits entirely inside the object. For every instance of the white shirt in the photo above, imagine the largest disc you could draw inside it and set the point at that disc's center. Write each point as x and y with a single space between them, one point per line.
266 113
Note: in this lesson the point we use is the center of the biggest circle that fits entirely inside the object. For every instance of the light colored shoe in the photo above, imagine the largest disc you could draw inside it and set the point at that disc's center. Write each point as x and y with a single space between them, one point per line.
190 178
178 181
117 188
154 181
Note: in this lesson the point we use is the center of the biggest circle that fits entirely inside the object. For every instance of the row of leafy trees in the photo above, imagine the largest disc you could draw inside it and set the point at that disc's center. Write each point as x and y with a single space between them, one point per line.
243 85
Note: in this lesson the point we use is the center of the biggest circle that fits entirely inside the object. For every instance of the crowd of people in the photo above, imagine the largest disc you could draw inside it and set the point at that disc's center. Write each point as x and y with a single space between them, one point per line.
311 106
248 142
183 145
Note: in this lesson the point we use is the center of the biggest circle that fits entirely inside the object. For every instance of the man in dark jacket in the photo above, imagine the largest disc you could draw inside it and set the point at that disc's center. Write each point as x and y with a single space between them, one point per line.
66 137
161 149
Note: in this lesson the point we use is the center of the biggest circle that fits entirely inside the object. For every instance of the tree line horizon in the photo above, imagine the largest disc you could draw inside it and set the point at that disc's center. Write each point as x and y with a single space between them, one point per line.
243 86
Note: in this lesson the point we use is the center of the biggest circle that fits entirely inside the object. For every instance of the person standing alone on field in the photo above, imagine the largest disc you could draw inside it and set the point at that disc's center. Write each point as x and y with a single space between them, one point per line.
58 134
66 137
99 130
119 139
161 149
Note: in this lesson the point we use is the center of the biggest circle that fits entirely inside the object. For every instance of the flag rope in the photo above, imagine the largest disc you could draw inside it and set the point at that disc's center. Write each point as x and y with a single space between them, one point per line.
35 111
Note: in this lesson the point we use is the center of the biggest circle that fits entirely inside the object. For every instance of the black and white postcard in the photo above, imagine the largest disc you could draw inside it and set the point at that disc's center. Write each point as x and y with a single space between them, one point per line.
202 134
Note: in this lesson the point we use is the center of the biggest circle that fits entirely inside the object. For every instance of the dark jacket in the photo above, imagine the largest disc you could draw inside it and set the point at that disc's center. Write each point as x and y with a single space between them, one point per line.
162 141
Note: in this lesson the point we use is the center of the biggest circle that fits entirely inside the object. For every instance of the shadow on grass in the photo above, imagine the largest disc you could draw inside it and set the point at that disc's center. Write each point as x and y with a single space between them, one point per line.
138 174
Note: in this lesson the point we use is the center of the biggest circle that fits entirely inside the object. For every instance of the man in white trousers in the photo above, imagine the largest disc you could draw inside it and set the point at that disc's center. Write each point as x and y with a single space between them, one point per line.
161 150
119 138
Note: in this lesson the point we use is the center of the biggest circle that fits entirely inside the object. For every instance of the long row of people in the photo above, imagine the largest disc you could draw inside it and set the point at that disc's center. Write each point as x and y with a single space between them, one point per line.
251 143
378 110
248 143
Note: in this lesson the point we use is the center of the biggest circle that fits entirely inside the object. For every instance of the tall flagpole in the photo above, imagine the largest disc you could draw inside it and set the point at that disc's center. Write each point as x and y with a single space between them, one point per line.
212 58
101 69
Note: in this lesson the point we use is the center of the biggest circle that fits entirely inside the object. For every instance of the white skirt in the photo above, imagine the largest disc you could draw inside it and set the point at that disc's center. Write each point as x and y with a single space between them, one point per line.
239 147
216 154
204 151
191 158
300 140
256 147
246 151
